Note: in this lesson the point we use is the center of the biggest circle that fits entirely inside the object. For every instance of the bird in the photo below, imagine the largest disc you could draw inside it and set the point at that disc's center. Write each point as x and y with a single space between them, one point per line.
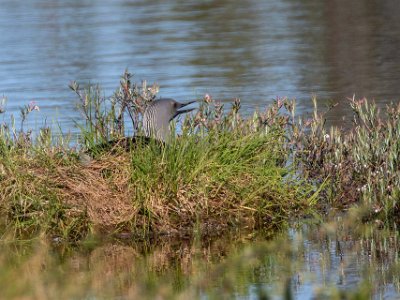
156 127
158 114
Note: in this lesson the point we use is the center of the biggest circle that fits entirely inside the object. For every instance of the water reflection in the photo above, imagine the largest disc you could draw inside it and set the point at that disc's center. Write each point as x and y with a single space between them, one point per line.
316 261
253 50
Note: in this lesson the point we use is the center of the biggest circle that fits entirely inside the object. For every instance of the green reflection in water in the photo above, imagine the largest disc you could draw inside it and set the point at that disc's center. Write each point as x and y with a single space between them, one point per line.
337 260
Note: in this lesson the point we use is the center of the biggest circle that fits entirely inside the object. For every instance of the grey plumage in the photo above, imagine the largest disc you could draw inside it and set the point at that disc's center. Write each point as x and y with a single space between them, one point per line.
156 119
159 114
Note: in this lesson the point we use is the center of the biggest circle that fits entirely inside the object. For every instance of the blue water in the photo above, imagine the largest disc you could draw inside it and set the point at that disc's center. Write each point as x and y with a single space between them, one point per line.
252 50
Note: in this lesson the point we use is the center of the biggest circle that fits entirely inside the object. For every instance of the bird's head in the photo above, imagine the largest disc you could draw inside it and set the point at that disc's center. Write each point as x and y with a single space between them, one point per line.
174 108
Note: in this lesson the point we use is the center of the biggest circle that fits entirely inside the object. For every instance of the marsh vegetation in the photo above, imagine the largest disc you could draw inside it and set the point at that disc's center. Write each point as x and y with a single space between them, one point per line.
221 171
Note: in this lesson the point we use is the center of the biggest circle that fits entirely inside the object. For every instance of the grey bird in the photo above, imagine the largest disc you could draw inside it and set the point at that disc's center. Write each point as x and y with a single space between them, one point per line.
156 126
158 114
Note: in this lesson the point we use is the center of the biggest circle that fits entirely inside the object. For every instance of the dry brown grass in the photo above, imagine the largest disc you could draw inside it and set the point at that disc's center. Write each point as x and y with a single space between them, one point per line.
101 188
227 172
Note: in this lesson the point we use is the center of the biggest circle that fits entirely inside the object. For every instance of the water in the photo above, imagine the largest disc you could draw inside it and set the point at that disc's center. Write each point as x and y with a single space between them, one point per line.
314 261
252 50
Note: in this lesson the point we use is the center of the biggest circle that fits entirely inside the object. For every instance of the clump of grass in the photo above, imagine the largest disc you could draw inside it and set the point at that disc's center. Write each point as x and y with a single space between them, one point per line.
222 171
217 181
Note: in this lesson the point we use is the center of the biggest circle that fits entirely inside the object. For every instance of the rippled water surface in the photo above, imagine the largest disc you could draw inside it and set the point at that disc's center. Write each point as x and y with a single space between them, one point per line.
255 50
311 262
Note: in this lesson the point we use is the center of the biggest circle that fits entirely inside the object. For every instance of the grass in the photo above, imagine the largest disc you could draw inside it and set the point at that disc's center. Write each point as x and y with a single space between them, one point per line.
223 171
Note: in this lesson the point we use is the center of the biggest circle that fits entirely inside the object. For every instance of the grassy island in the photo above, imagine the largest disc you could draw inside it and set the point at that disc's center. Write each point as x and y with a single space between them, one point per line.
221 170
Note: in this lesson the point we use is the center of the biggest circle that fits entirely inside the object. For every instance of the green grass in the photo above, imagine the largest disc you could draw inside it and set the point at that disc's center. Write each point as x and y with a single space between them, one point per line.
214 182
223 180
223 171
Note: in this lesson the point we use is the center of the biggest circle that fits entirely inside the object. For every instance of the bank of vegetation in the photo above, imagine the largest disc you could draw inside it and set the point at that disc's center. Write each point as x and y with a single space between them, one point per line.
222 170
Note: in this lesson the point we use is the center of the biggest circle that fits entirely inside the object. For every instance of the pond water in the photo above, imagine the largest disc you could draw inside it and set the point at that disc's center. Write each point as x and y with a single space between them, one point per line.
310 262
254 50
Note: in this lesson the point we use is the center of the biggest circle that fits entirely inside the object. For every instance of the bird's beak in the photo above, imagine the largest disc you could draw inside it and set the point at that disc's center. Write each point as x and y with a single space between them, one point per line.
182 111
